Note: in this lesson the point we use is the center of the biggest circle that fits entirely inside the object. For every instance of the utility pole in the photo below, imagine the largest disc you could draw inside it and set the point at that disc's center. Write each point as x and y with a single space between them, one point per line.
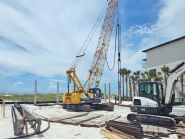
119 61
118 40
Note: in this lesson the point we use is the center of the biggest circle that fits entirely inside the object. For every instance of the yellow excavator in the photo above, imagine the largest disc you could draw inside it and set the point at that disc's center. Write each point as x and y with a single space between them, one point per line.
88 96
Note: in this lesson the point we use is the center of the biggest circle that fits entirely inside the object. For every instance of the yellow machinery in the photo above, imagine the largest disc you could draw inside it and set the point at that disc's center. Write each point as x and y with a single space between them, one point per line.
88 96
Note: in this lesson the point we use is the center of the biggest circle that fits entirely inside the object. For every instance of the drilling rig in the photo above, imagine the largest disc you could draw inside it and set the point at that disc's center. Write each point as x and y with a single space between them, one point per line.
88 96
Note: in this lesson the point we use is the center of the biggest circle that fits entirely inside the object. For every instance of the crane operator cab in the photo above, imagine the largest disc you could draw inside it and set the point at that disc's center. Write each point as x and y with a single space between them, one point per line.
93 96
150 100
96 92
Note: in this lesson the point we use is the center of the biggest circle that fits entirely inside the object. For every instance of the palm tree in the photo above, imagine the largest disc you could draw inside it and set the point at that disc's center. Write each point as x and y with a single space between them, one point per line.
152 75
128 83
158 76
143 76
166 71
123 73
133 80
147 76
138 73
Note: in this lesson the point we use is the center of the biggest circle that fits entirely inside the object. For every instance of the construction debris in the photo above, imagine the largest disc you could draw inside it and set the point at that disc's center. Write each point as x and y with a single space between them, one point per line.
113 134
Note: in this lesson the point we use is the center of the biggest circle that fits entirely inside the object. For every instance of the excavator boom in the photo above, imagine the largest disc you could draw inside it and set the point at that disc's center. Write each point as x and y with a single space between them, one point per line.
175 73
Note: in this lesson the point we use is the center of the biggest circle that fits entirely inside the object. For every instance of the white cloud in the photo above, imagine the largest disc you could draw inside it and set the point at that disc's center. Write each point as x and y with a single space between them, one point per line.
18 83
43 37
142 29
169 25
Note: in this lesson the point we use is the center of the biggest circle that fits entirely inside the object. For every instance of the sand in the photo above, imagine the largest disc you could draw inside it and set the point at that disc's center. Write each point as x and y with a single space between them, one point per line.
58 130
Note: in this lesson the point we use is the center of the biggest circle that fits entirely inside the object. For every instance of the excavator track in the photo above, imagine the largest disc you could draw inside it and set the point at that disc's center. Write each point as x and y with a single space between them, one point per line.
152 119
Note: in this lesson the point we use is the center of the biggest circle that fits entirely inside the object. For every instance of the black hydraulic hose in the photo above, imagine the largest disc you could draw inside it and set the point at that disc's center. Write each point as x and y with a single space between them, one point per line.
32 134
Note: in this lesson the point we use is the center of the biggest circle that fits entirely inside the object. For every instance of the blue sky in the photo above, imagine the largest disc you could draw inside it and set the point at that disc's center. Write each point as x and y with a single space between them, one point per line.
39 39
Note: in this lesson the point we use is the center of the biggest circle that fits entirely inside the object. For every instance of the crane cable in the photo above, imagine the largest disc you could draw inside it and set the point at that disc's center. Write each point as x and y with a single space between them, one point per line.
93 30
90 36
115 49
115 43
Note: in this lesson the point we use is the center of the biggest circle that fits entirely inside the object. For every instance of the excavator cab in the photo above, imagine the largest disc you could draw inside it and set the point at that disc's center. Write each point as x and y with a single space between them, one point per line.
151 99
152 90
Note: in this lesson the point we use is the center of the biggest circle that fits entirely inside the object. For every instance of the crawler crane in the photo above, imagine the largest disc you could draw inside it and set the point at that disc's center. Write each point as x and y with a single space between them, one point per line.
88 96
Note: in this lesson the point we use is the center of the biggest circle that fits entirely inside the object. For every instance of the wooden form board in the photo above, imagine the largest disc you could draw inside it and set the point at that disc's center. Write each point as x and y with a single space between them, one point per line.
100 121
122 134
114 135
69 116
81 119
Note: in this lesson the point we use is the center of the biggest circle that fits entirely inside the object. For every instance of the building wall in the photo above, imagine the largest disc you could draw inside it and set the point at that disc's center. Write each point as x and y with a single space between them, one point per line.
168 54
171 65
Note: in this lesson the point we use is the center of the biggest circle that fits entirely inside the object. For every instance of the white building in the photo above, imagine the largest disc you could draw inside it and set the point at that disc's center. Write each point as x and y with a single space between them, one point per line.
169 54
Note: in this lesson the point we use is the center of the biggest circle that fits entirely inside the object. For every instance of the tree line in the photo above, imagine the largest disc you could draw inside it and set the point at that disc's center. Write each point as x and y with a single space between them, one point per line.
130 80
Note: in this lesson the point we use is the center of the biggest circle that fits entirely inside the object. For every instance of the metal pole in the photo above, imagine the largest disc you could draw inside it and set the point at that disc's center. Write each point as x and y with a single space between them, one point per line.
119 61
35 96
109 92
105 92
57 91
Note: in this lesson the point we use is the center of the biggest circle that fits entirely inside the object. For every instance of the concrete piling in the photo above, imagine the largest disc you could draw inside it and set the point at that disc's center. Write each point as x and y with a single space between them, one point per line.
35 96
105 92
57 92
109 92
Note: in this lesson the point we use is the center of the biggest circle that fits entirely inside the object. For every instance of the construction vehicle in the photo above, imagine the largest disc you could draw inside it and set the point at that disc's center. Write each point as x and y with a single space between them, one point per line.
88 96
153 105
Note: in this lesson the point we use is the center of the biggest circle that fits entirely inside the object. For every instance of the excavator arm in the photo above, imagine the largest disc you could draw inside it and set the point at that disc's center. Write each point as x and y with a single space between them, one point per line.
175 73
